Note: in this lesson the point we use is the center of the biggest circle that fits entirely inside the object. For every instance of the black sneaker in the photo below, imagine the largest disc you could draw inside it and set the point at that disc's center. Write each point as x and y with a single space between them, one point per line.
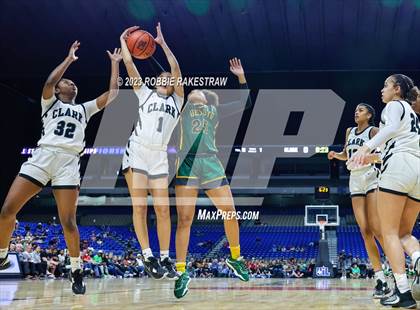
78 286
415 287
398 300
381 289
169 266
4 263
153 268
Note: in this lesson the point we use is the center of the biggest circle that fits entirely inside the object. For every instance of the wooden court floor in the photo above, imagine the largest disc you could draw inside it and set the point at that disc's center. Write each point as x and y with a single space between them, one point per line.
211 294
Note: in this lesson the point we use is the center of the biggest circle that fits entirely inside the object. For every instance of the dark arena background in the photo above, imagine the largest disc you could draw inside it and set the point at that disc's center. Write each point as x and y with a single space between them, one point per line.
299 237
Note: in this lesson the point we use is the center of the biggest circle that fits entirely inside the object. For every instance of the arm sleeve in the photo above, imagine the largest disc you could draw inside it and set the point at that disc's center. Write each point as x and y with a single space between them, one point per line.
392 116
91 108
235 107
142 93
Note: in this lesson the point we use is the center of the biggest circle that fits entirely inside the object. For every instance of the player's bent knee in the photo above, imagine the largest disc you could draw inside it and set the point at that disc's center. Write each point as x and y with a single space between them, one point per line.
162 211
140 211
69 224
366 233
389 236
185 220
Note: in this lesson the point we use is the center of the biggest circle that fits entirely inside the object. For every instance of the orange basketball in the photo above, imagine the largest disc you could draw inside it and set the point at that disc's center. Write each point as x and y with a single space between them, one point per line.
141 44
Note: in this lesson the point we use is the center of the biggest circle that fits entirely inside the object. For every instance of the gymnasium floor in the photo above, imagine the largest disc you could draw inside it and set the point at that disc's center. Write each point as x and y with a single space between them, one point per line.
204 294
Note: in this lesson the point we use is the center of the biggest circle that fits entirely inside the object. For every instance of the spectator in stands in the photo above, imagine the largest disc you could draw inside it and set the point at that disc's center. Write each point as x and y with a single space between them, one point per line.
55 264
104 265
40 267
113 267
27 262
93 237
214 268
87 263
97 264
12 247
355 271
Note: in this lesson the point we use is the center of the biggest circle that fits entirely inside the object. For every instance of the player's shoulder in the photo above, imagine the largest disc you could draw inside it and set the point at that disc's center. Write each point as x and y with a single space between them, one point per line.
395 103
396 107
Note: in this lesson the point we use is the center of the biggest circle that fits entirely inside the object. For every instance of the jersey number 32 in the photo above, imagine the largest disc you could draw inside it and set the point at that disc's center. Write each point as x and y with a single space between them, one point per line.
65 129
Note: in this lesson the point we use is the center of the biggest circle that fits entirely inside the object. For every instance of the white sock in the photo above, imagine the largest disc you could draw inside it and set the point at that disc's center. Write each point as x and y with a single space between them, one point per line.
402 282
75 263
3 252
379 275
164 254
147 253
414 257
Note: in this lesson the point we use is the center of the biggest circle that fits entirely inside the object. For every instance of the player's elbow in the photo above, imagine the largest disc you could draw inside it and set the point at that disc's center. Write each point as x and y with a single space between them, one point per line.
111 95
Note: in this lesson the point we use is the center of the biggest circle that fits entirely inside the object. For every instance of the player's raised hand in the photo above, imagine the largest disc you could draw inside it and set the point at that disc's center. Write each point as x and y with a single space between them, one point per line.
236 67
116 55
72 52
127 32
159 36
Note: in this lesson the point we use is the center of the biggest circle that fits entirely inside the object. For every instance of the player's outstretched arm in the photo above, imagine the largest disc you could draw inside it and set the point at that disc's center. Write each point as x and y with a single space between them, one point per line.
57 73
235 107
106 98
175 69
128 60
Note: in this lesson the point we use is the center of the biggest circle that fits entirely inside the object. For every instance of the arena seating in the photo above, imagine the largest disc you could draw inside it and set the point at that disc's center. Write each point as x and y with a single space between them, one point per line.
258 241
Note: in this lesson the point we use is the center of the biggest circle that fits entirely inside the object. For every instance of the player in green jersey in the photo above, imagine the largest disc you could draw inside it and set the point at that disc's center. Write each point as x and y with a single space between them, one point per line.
198 166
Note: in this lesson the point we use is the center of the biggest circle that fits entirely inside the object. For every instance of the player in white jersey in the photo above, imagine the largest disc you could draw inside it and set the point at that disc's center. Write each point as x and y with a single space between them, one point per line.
363 185
57 159
399 182
145 163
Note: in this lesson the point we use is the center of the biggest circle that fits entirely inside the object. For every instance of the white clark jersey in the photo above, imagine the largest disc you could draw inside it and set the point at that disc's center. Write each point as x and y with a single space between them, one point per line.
399 130
355 141
64 124
158 116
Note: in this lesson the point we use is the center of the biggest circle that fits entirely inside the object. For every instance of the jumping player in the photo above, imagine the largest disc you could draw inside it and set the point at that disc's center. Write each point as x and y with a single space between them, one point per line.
399 181
145 163
57 158
201 167
363 185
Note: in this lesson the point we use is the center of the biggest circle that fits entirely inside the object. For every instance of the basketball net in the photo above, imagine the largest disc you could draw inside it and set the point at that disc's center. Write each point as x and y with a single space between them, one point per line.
321 224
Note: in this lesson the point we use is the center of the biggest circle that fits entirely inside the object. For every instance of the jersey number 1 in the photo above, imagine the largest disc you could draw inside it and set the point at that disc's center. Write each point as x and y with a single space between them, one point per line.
159 128
67 130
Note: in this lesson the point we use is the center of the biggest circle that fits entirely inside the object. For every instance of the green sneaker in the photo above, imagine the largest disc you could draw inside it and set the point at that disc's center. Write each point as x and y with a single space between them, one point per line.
238 267
181 285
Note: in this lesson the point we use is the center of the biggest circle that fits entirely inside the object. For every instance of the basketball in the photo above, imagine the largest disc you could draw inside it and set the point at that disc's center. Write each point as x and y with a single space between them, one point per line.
141 44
